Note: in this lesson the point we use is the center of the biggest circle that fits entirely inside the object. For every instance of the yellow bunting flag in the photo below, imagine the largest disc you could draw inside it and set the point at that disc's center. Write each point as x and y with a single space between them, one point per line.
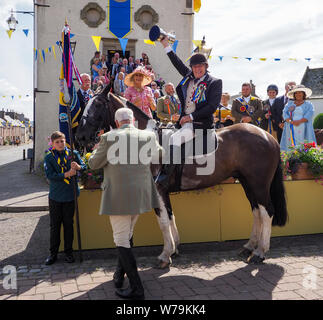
19 97
9 33
197 5
147 41
197 43
293 59
96 40
41 56
235 57
53 48
262 59
46 50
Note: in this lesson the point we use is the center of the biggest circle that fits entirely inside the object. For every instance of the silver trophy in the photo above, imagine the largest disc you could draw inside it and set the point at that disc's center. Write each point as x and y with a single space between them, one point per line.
157 34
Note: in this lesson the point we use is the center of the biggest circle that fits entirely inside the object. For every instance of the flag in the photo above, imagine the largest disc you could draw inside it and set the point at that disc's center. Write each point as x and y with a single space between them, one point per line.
9 33
96 40
147 41
25 31
197 5
174 47
67 88
123 44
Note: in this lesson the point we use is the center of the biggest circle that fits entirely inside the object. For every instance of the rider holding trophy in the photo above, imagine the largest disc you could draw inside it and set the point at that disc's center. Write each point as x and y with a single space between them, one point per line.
199 94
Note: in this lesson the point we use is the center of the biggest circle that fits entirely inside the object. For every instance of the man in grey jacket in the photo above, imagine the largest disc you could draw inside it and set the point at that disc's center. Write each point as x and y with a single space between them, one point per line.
128 190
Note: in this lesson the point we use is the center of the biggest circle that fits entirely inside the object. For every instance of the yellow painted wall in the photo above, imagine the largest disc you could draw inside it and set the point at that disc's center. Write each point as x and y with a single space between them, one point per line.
215 214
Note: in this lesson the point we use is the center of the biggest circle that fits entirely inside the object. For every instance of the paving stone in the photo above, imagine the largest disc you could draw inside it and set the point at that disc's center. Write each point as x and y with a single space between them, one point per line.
308 294
49 289
53 296
289 286
97 295
32 297
285 295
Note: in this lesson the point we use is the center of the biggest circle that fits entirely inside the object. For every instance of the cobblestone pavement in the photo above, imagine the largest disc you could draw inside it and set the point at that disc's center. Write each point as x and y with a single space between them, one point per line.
210 271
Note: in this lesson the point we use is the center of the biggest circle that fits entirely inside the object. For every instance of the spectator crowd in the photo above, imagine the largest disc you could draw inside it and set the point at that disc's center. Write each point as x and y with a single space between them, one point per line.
135 80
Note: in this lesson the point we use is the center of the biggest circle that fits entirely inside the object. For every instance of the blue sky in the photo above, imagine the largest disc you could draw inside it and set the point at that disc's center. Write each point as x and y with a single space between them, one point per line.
249 28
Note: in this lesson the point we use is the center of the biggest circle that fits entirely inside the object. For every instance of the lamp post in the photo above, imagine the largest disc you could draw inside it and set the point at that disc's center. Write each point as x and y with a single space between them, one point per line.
12 23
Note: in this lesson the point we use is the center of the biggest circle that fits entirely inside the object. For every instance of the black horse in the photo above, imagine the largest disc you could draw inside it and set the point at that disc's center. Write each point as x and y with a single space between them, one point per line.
244 152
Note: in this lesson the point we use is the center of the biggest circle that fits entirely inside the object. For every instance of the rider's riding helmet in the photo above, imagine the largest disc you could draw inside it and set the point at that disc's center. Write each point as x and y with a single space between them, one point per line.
272 87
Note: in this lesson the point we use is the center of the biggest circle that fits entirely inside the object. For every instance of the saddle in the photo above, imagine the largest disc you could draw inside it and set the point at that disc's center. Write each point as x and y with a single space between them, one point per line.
204 143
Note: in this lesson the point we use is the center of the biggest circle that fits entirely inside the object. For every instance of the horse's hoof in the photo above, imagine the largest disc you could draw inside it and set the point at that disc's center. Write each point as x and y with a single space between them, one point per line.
245 253
254 259
162 264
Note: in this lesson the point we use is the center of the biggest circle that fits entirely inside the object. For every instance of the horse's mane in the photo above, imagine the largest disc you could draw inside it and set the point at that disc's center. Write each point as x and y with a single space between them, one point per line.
131 106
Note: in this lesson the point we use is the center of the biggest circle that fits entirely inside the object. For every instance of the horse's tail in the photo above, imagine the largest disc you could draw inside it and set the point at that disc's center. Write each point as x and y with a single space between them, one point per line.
277 194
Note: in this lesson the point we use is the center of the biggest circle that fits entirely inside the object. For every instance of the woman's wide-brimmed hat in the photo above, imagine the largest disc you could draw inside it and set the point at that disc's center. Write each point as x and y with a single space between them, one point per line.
301 88
141 70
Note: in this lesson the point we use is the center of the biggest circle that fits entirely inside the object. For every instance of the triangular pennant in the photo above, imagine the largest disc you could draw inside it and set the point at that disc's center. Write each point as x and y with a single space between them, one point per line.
43 53
54 51
57 42
221 58
308 59
248 59
123 44
277 59
19 96
46 50
174 47
36 54
12 97
292 59
197 5
25 32
262 59
147 41
235 57
96 40
9 33
72 35
197 43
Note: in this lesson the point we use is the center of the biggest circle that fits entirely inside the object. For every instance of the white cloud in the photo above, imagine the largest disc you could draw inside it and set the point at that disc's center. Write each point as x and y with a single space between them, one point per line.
269 29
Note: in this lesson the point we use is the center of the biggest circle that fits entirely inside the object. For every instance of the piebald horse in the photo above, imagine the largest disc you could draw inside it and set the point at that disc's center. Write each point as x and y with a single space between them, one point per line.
244 152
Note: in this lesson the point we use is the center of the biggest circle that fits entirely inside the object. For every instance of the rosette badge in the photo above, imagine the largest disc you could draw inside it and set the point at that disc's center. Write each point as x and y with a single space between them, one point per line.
243 109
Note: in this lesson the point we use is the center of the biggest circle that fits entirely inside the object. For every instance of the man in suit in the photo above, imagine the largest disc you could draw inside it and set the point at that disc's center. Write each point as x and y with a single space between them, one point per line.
84 94
128 190
119 86
199 94
273 111
247 109
168 106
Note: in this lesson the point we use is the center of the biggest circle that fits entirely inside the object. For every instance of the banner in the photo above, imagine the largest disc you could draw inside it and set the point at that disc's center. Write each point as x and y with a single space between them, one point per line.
120 17
66 78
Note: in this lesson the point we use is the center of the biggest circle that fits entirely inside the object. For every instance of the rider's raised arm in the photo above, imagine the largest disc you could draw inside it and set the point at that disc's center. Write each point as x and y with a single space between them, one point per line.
176 61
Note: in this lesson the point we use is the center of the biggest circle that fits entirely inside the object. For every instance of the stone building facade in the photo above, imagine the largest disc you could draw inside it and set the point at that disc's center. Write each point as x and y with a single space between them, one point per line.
88 19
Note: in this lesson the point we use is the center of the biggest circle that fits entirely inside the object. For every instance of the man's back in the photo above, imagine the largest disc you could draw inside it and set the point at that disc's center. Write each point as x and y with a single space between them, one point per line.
126 155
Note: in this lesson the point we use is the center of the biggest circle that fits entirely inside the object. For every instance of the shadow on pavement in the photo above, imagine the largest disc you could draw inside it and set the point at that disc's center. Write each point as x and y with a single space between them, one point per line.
19 182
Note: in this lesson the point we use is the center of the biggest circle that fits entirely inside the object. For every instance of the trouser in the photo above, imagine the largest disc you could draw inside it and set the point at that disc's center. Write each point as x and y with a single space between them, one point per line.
61 213
122 228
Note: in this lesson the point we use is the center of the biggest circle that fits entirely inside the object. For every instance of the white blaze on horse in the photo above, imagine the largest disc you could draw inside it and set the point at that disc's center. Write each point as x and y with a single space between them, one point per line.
244 152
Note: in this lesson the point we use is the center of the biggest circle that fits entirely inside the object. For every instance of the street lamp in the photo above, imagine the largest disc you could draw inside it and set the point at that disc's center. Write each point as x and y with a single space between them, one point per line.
12 22
203 49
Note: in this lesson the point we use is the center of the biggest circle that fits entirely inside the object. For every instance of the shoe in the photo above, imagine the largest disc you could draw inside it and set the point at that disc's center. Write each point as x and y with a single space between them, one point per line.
69 258
128 262
51 259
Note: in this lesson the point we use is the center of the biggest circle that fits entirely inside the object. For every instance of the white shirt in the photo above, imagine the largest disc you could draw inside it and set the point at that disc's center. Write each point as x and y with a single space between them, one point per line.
271 101
247 99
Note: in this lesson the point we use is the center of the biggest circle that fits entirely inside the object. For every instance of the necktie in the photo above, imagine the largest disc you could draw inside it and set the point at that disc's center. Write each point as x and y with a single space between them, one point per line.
121 86
86 97
172 98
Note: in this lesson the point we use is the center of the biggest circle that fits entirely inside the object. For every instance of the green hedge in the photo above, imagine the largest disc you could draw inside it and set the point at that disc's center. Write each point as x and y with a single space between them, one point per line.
318 121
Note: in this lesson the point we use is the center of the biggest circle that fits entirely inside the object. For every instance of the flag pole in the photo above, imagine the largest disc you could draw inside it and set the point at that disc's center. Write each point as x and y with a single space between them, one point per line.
74 180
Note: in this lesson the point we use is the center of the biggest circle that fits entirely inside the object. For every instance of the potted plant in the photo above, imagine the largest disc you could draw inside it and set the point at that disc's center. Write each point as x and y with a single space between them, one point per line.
91 179
303 162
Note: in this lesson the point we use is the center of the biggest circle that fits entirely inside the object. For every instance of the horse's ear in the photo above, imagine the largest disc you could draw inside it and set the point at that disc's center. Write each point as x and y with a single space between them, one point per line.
106 89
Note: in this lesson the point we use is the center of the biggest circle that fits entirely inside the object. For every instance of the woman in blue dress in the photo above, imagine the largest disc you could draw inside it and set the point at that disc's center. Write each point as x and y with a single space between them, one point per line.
298 115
